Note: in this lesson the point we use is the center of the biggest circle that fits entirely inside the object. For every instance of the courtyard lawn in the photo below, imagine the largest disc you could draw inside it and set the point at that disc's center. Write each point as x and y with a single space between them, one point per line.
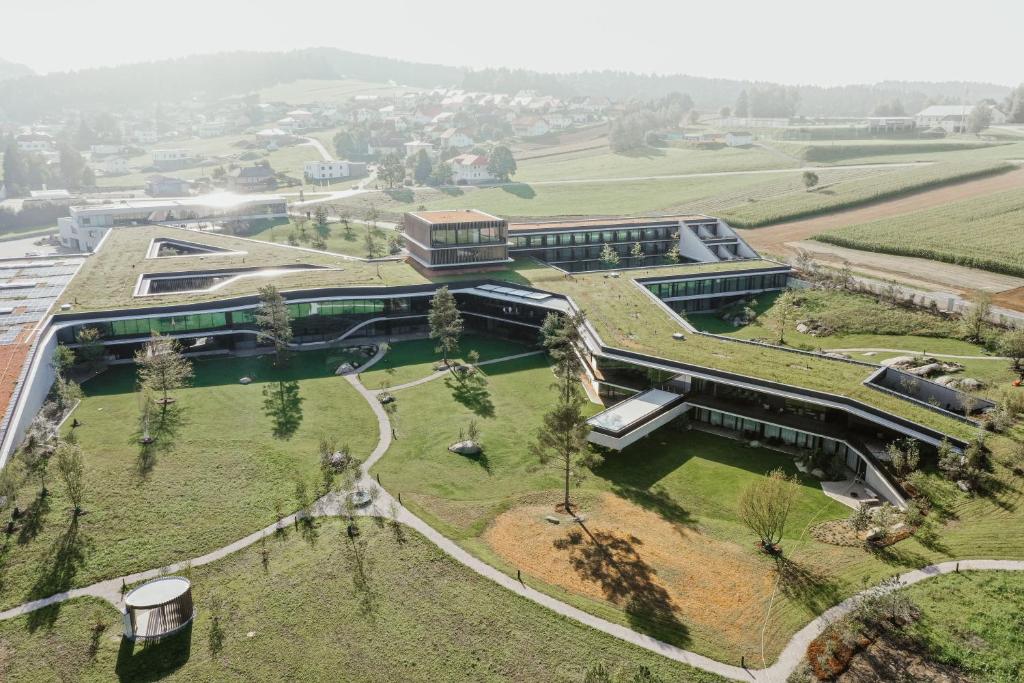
972 620
407 361
663 512
390 607
222 467
858 321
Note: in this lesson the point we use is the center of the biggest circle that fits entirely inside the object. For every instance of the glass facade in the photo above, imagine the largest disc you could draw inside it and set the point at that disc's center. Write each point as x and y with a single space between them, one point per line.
768 432
466 233
717 285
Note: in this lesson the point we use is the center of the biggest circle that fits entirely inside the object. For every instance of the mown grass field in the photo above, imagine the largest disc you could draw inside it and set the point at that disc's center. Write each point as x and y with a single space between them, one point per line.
388 608
985 233
221 466
972 620
891 150
350 242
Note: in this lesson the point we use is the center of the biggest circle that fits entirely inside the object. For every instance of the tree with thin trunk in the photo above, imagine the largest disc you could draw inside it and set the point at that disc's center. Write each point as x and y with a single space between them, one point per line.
765 505
609 257
637 252
90 348
784 310
561 441
273 321
560 335
976 316
37 448
810 179
162 368
445 323
71 467
1011 345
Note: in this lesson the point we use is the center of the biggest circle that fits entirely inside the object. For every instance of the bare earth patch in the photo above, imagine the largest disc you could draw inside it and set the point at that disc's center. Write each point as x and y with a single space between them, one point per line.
637 560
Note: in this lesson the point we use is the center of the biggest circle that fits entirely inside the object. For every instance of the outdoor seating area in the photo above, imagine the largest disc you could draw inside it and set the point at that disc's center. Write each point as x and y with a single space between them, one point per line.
158 608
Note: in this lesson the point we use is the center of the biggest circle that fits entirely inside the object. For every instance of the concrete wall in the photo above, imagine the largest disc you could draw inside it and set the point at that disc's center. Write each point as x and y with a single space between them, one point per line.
30 394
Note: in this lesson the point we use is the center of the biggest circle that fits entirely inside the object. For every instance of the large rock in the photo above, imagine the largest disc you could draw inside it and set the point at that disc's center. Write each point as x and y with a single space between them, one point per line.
969 384
465 448
344 369
803 328
898 361
924 370
818 473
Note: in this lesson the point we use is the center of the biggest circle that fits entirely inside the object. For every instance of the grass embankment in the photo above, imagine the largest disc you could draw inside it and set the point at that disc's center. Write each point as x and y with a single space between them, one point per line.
350 242
985 233
972 620
220 466
390 607
859 151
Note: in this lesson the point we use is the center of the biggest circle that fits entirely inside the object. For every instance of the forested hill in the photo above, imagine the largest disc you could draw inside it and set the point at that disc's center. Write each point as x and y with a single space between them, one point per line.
217 75
27 98
13 70
712 93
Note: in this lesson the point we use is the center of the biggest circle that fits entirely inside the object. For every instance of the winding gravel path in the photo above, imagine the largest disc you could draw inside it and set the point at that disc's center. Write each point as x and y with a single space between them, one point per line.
385 506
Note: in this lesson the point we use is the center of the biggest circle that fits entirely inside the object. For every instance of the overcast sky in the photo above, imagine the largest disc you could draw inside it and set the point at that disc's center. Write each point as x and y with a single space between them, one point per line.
788 41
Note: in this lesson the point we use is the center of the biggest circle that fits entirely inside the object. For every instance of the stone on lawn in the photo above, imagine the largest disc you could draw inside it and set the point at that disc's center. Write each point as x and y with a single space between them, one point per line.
964 485
245 380
552 519
465 448
803 328
818 473
344 369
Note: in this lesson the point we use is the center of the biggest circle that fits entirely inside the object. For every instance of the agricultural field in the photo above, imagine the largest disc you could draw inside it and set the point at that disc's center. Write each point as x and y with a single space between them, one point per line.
858 192
894 150
305 91
599 164
985 233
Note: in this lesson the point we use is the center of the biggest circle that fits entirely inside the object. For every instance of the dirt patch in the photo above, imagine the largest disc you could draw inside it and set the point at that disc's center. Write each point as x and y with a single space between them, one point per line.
639 561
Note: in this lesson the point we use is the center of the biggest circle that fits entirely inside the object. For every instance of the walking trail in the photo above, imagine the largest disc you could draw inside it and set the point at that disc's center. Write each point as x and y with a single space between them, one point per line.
384 505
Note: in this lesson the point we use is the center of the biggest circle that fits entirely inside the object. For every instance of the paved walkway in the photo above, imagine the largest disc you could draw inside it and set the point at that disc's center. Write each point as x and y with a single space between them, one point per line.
330 505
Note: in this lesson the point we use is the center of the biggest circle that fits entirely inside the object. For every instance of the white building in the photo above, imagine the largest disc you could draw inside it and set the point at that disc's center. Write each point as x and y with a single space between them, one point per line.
470 169
166 159
530 126
739 139
413 148
35 142
87 224
333 170
112 165
453 138
953 118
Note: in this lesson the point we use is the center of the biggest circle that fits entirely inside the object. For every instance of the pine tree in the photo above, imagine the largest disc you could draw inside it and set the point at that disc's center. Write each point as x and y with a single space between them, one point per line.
561 441
445 322
273 321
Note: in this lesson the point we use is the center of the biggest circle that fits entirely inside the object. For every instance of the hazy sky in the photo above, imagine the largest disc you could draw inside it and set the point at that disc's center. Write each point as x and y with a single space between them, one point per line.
789 41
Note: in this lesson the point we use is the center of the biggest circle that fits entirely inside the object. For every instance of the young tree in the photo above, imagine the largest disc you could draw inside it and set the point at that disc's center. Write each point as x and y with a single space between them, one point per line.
441 174
810 179
162 368
783 310
609 257
672 255
1011 345
63 359
562 438
905 456
765 505
71 467
90 348
445 322
37 448
344 215
637 251
321 221
273 321
501 164
974 319
65 393
979 119
422 168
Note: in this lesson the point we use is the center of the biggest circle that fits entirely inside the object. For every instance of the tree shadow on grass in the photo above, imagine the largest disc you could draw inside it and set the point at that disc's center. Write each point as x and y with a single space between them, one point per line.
521 190
65 557
479 458
644 152
807 585
471 392
899 556
162 430
32 519
153 661
283 405
361 567
614 562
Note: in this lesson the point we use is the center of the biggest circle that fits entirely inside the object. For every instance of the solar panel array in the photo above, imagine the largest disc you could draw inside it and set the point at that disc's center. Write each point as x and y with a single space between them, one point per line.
28 287
519 293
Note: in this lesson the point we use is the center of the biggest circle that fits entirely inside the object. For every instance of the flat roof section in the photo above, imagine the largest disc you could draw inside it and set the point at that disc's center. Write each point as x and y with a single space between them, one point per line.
624 415
454 216
571 224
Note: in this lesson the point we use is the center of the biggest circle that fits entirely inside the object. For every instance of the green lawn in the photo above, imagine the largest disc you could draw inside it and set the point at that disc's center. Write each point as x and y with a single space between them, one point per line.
339 241
407 361
887 150
973 620
412 614
218 475
858 321
986 233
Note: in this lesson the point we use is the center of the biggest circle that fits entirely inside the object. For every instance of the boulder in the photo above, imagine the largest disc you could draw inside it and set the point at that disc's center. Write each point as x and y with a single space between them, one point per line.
926 370
344 369
969 384
245 380
898 361
818 473
338 461
964 485
803 328
945 380
465 448
552 519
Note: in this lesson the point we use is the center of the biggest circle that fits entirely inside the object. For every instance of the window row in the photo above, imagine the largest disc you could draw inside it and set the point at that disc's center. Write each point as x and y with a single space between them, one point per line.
718 285
461 234
593 237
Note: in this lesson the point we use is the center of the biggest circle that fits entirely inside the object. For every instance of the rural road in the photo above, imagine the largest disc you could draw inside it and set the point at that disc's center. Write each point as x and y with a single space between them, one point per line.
319 147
